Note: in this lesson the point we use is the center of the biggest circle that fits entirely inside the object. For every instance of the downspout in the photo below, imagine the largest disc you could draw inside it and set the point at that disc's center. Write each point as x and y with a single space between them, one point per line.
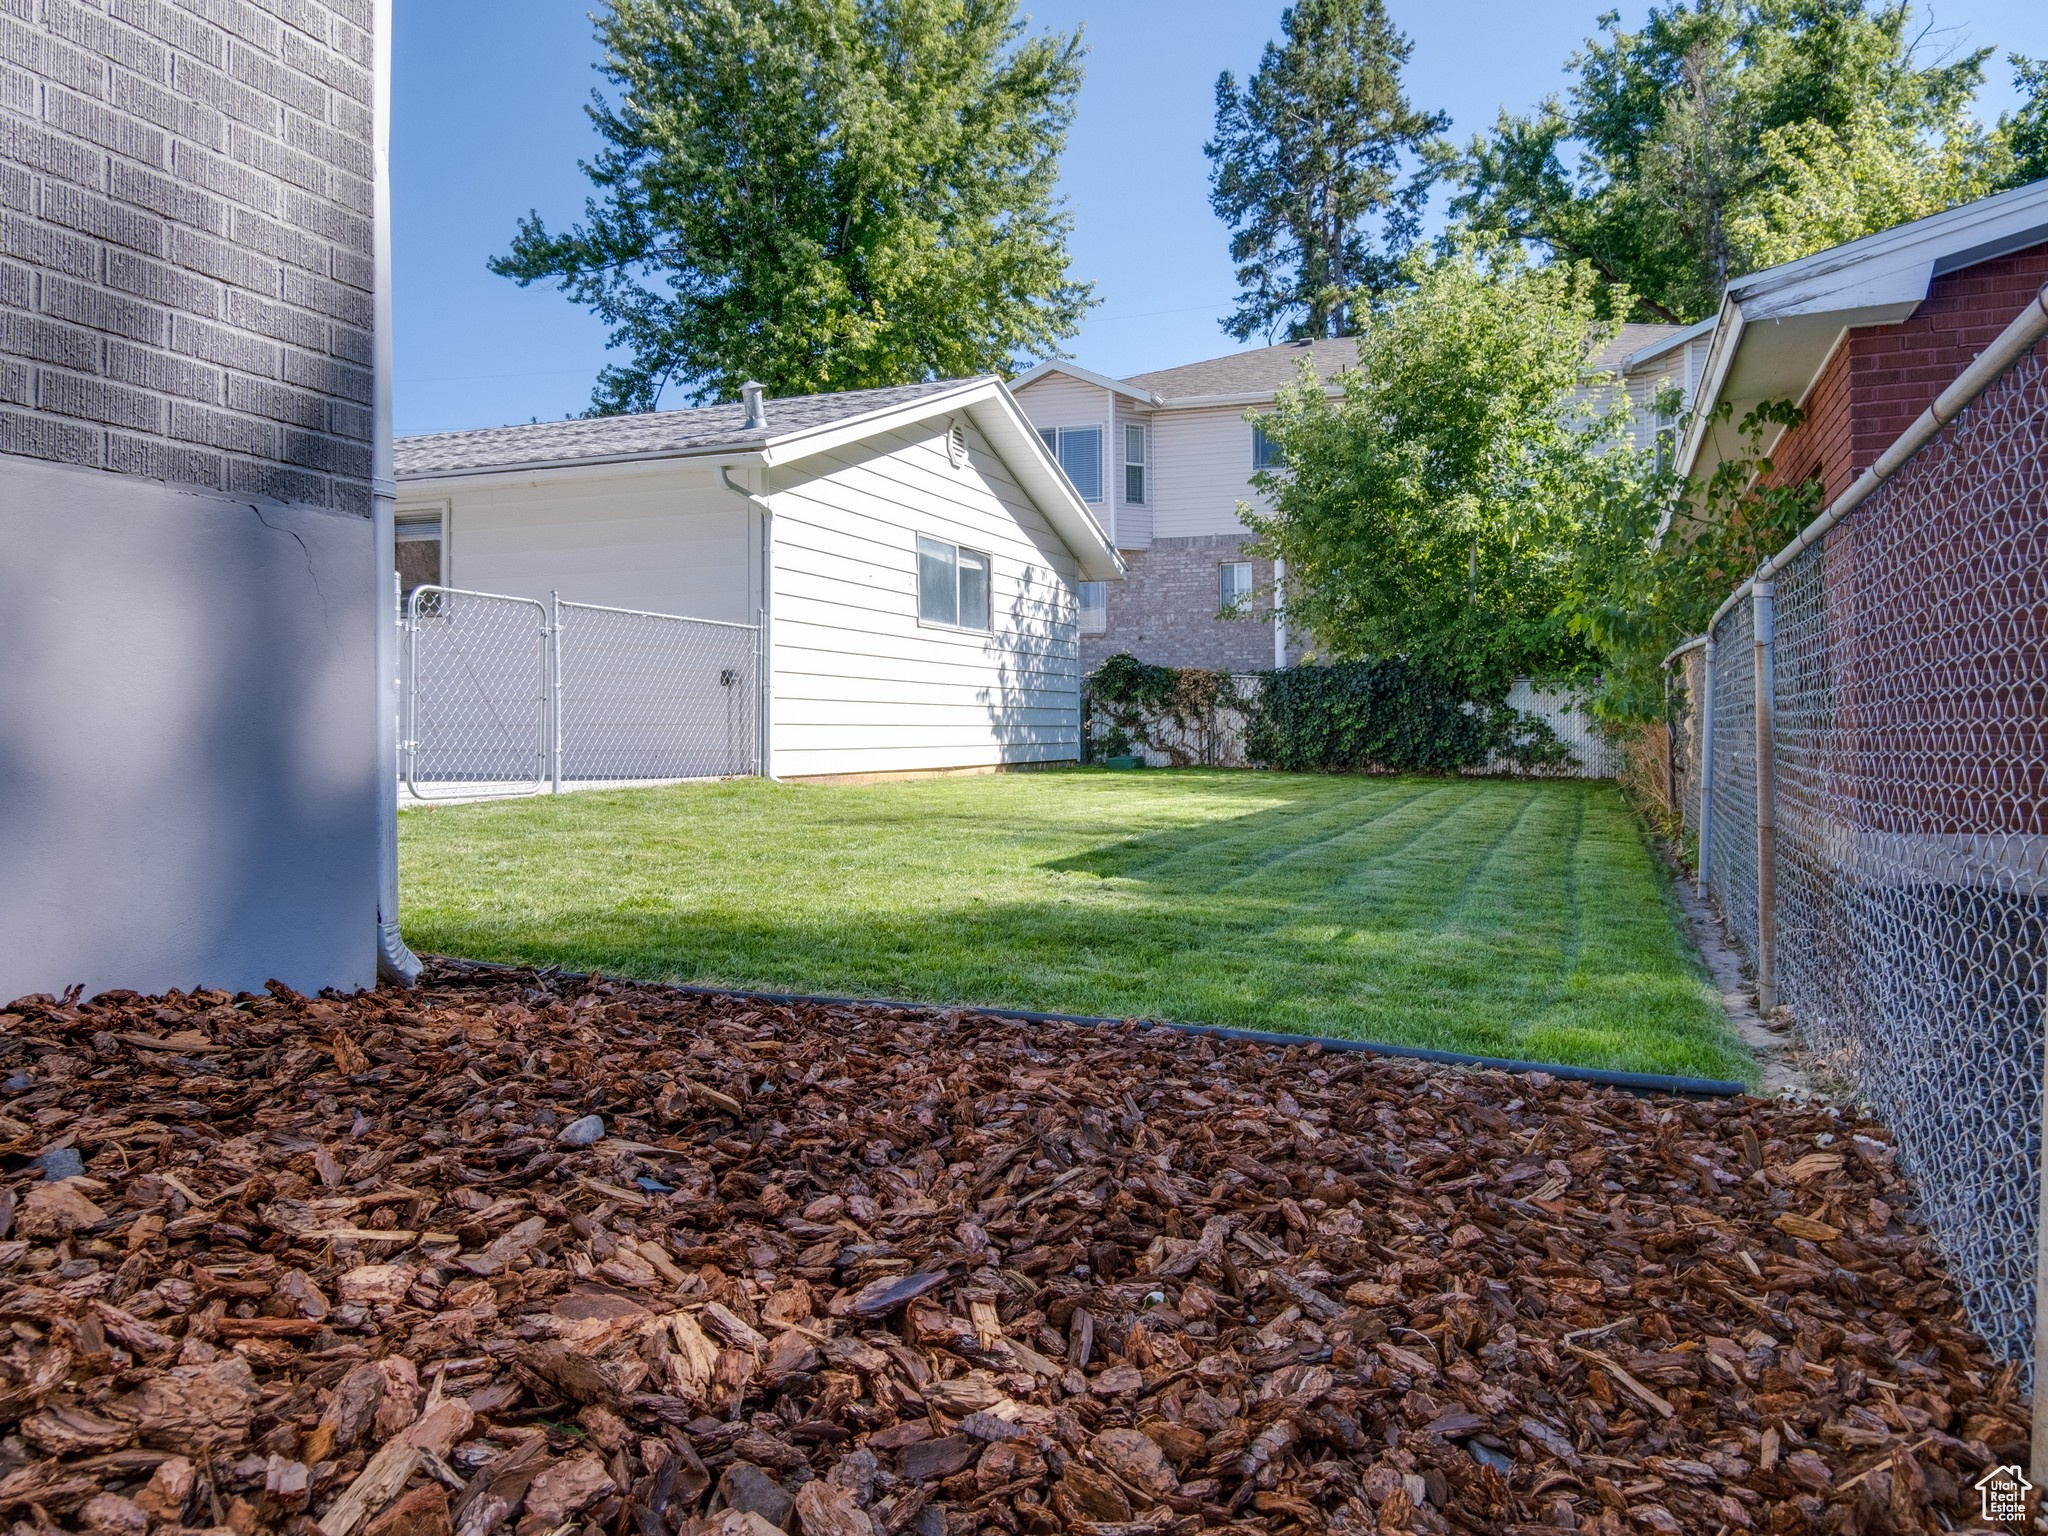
765 611
396 963
1279 614
1706 762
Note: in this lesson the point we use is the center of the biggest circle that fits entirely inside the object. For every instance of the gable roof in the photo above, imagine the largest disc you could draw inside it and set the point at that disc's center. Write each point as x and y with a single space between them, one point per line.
704 428
798 427
1634 339
1258 372
1777 327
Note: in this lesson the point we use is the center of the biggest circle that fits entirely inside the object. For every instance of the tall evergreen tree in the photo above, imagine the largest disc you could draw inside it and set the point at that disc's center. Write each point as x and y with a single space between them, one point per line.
1726 135
819 194
1307 157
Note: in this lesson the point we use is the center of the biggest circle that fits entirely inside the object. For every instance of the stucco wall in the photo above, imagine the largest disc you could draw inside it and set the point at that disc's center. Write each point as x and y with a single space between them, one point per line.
187 785
187 716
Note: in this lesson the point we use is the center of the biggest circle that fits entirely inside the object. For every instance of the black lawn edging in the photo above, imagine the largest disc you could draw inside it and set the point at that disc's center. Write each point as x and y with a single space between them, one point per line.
1634 1082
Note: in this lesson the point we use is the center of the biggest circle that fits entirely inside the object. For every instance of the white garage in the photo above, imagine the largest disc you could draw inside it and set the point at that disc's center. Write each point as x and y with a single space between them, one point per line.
904 563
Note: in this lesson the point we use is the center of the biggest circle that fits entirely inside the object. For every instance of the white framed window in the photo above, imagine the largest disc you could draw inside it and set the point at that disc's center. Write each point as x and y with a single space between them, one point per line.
1134 466
1094 607
421 551
1265 450
952 585
1079 450
1235 587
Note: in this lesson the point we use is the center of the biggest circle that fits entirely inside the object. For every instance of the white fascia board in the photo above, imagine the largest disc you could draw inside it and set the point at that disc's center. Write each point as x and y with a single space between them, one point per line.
1003 425
614 466
1671 343
1214 402
1727 337
858 429
1038 371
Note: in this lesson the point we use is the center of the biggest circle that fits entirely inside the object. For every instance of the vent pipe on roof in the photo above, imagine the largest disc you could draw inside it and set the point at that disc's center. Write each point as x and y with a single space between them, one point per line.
757 406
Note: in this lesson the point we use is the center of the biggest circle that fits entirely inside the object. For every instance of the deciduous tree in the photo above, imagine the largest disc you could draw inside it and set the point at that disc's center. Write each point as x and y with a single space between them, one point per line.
819 194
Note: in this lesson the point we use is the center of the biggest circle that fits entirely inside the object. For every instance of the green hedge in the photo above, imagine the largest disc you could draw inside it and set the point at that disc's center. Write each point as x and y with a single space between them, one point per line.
1383 716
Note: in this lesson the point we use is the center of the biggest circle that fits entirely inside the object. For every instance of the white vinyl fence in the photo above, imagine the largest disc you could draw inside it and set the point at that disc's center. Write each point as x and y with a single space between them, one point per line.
509 696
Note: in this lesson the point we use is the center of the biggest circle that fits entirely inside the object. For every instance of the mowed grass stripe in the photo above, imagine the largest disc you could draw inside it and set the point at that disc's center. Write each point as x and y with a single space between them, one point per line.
1522 919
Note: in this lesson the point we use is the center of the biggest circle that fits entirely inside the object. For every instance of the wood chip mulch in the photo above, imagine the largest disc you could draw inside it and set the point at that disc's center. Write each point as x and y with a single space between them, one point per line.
546 1256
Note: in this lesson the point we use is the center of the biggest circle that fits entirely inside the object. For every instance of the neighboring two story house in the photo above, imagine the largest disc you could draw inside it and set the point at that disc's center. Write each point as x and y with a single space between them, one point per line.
1163 460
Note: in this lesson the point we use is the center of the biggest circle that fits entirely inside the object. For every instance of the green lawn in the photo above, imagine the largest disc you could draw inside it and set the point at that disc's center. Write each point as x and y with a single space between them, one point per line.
1508 919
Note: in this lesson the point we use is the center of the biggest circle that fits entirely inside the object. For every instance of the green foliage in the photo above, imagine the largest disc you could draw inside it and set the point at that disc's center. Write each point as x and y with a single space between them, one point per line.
1726 133
1392 715
1644 584
819 194
1433 509
2025 132
1139 702
1305 157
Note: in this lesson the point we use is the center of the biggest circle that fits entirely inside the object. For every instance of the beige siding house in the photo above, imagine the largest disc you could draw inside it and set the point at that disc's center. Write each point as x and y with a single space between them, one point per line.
914 555
1163 460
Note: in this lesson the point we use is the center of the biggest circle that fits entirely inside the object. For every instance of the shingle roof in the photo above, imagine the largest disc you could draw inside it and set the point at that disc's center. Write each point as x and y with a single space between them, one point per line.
1244 373
704 428
1632 337
1265 369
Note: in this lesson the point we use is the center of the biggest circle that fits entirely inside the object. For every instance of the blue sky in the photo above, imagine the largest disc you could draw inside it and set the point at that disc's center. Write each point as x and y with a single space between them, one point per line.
488 123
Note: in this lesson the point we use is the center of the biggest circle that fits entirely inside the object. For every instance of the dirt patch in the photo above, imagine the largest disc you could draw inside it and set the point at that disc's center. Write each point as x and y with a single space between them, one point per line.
538 1256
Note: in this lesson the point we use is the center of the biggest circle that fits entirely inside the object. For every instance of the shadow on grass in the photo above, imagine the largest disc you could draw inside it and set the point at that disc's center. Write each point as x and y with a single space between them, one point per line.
1445 914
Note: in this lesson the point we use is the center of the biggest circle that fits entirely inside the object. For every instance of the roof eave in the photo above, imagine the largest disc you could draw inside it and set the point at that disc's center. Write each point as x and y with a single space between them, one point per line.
1038 371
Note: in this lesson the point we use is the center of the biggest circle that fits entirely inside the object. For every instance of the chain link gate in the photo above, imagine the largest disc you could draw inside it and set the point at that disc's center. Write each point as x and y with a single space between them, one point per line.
1906 679
507 696
476 694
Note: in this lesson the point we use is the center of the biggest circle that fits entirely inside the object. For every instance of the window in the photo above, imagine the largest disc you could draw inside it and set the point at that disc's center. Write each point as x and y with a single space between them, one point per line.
1237 587
1265 451
952 585
419 552
1094 607
1079 450
1134 466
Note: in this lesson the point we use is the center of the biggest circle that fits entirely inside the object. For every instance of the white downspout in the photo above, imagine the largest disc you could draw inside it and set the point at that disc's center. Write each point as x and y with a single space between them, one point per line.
1279 614
395 962
1112 466
765 611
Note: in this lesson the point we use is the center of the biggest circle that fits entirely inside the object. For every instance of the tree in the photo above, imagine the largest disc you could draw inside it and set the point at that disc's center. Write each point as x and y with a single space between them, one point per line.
819 194
1698 143
1432 508
1306 157
2025 132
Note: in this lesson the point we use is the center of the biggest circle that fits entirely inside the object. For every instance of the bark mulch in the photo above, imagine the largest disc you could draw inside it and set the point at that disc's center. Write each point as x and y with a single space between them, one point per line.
544 1256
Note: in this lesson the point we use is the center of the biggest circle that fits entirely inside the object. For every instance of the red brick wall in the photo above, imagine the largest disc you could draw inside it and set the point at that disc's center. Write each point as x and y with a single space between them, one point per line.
1882 377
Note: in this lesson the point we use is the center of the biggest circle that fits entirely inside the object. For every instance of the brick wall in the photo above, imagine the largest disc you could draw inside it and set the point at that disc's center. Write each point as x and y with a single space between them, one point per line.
1164 611
1882 377
185 242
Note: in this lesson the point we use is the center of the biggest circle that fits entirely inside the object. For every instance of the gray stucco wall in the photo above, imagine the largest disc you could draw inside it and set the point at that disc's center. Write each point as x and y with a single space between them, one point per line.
187 785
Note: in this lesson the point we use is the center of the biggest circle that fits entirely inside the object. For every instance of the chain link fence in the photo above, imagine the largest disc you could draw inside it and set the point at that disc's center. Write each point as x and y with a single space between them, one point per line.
475 694
509 696
1907 683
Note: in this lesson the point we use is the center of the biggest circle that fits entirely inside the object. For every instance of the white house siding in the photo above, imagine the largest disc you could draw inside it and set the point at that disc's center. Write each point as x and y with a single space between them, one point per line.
1058 401
671 540
1203 462
859 685
1134 525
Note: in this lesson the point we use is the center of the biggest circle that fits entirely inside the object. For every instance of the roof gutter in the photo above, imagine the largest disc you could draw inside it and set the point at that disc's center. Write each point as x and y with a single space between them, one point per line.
396 963
2013 343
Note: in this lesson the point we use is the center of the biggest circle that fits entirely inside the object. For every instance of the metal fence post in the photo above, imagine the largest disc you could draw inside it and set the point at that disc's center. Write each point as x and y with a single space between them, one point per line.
1702 885
555 692
2037 1461
1761 596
